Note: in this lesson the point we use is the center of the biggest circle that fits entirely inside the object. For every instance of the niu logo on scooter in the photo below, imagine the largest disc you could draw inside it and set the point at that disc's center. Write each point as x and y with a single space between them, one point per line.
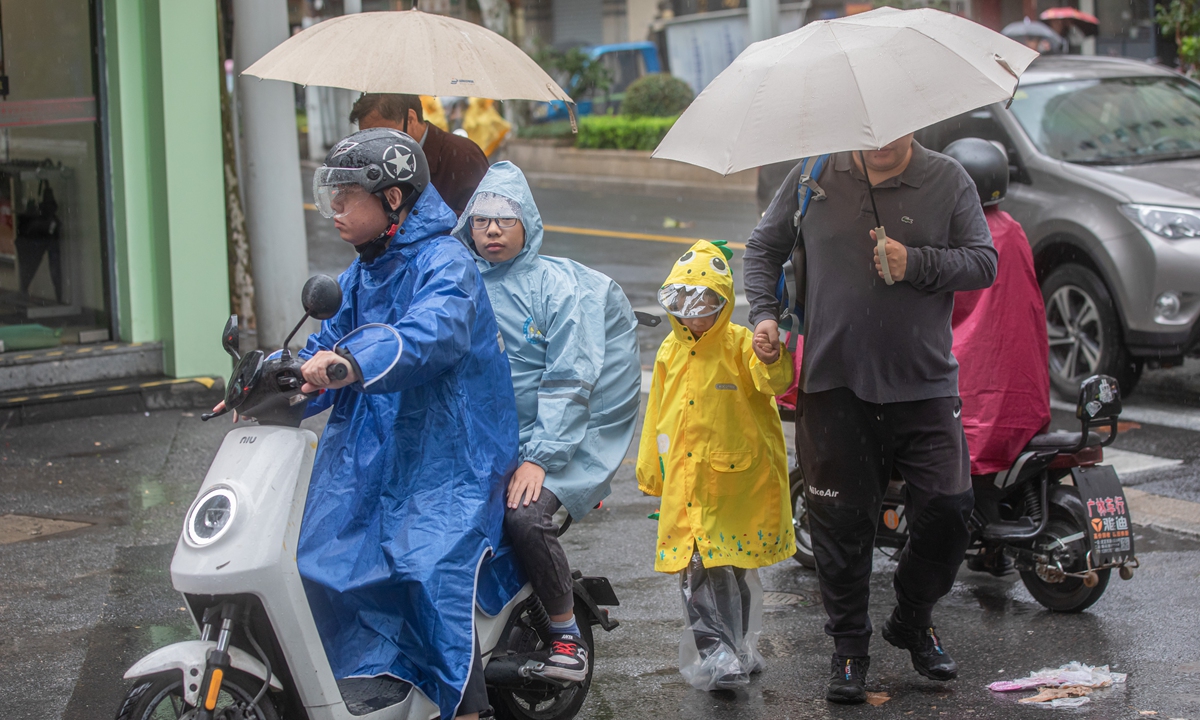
248 440
823 493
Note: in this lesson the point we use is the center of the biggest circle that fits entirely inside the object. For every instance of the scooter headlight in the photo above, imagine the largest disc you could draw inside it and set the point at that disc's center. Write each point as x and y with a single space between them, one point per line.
211 516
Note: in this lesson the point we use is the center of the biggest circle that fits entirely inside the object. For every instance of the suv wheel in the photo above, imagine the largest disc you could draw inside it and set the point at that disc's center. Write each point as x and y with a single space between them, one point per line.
1085 333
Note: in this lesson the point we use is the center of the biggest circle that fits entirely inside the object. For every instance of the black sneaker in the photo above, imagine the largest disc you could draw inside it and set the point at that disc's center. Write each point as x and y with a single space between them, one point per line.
928 656
848 680
568 659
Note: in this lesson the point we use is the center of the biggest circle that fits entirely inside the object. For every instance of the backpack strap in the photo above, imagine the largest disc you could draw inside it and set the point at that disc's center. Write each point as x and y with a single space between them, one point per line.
807 190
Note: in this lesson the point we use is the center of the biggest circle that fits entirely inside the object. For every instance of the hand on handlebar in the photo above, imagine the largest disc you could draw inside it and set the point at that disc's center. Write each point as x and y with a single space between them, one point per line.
219 409
317 372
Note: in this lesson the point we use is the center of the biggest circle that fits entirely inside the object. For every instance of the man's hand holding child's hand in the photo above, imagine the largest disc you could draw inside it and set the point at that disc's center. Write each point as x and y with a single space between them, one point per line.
526 485
316 372
766 341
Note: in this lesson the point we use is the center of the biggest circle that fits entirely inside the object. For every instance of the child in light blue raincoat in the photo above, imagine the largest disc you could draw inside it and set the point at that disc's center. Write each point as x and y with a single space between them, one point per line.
571 340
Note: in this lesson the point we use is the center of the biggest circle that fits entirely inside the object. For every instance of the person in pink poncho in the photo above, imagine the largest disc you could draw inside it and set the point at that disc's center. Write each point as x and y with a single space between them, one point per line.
1000 338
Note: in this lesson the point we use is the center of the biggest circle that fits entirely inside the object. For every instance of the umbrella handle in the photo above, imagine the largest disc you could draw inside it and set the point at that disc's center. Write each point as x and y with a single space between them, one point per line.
881 251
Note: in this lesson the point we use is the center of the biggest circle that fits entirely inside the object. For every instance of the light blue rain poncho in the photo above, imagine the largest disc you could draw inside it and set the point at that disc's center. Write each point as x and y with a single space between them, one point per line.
406 498
571 340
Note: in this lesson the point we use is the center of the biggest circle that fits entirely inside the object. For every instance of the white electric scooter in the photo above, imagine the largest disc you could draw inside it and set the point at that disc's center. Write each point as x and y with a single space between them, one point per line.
259 656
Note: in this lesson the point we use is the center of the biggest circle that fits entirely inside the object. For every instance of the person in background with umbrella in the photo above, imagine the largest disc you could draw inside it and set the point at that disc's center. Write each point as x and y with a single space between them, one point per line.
456 164
1037 36
879 386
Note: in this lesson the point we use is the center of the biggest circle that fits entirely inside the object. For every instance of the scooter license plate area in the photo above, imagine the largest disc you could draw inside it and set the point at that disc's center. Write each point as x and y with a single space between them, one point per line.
1109 526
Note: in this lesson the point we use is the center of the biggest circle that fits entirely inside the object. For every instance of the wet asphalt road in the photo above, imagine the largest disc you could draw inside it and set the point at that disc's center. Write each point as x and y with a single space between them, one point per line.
76 609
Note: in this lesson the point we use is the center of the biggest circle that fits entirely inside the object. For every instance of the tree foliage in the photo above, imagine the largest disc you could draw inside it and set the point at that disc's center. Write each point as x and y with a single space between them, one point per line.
1181 18
578 74
656 95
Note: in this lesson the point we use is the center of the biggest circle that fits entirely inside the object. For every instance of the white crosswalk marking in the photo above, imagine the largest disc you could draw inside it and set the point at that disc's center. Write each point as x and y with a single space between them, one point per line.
1126 462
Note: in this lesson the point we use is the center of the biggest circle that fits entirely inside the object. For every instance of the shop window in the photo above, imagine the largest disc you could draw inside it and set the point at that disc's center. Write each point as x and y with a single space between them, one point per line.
53 264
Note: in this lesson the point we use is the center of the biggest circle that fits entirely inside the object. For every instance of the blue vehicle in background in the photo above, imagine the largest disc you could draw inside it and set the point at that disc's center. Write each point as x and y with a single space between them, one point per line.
625 62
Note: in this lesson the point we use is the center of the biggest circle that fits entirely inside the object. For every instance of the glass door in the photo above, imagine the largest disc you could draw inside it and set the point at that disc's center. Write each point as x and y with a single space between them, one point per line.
53 271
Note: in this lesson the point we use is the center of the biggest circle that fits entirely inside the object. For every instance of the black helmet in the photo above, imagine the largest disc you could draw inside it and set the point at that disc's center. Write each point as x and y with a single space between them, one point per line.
987 165
375 159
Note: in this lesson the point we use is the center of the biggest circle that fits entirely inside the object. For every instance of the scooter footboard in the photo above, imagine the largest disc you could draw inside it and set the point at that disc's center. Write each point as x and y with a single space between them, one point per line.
189 659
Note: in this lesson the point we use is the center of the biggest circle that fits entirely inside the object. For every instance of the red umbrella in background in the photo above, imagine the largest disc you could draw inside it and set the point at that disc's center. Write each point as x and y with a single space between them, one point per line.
1088 24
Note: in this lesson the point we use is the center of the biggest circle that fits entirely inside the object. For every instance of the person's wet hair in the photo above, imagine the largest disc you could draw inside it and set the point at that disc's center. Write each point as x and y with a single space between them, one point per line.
390 106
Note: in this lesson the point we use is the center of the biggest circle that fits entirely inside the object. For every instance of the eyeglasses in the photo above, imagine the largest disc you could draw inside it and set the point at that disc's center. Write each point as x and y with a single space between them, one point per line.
483 223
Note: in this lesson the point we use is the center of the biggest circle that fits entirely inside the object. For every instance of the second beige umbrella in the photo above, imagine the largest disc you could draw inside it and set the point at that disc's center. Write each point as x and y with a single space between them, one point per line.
409 52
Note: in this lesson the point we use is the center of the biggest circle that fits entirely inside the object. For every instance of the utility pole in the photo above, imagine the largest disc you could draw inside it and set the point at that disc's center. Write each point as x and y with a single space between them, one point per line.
271 158
764 19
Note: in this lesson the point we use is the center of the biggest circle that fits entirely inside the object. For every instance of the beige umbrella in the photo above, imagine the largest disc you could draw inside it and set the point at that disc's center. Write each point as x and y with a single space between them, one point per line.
854 83
409 52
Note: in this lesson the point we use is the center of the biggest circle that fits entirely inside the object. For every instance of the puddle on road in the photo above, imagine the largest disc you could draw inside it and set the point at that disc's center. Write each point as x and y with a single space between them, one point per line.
143 613
150 494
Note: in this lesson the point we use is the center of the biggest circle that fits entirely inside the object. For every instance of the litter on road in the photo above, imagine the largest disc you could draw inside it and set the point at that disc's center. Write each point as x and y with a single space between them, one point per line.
1065 686
1073 673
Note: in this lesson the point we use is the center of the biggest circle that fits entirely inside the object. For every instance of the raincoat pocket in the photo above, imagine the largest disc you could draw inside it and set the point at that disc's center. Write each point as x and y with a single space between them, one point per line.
729 469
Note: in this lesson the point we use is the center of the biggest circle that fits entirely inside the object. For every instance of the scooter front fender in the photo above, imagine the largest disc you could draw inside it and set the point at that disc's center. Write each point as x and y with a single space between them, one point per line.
189 658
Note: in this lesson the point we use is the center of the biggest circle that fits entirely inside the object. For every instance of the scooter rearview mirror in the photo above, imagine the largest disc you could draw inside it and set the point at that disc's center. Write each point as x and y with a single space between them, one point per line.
322 297
230 338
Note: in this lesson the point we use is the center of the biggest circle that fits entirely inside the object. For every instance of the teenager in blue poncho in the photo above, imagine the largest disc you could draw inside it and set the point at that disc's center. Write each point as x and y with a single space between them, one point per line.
571 339
405 508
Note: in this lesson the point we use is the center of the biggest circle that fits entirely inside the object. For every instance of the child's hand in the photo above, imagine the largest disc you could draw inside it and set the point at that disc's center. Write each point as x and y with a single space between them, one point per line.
526 485
766 341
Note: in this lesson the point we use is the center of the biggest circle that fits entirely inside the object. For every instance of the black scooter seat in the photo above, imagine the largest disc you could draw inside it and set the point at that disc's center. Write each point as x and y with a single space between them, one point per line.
1060 441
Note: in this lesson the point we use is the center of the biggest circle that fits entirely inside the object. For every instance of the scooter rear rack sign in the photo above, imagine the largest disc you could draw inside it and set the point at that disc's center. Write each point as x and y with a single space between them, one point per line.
1108 523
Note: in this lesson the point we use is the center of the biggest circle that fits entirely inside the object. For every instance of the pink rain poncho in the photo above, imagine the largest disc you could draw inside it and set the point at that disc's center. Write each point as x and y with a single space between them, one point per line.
1001 346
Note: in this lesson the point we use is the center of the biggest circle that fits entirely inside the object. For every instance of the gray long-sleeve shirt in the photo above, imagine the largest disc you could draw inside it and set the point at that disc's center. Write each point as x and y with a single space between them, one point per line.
885 343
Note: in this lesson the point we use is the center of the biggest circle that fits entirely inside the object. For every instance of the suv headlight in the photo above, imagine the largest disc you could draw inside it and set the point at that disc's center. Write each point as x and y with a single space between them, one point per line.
1169 222
211 516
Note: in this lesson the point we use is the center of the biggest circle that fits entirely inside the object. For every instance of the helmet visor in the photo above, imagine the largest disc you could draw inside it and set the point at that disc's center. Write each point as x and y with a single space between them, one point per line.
494 206
690 301
337 190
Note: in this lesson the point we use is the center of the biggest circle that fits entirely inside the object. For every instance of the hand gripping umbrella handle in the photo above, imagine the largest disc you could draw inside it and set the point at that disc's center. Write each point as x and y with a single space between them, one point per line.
881 251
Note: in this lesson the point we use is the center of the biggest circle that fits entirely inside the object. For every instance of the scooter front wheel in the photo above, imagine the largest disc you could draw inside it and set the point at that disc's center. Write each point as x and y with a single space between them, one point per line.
160 697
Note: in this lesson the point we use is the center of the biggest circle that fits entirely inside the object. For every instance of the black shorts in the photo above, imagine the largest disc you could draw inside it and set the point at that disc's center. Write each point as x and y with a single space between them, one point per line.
849 448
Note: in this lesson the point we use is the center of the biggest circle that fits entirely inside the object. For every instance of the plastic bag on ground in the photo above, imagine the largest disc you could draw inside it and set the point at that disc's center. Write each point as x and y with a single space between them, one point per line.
1073 673
723 607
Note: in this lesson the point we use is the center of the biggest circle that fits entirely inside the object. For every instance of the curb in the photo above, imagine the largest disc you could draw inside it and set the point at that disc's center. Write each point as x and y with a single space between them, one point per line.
1164 513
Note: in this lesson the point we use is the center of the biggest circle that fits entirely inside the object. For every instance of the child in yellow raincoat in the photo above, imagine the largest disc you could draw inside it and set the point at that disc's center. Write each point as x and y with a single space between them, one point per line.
712 447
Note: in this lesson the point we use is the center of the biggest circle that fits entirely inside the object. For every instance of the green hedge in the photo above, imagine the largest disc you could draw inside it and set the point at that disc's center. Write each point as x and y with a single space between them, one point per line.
619 132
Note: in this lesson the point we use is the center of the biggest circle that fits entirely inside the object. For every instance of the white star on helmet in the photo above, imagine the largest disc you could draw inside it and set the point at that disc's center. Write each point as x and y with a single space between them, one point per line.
399 162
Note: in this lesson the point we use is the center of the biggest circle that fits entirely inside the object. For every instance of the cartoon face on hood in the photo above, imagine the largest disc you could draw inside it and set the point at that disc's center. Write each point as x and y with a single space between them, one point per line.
700 285
506 180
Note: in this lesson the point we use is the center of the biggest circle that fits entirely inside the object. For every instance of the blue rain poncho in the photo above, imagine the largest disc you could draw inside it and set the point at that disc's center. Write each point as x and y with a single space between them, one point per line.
571 340
406 497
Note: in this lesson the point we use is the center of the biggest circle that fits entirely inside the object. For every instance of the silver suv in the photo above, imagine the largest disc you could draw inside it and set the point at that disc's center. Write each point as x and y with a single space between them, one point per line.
1104 160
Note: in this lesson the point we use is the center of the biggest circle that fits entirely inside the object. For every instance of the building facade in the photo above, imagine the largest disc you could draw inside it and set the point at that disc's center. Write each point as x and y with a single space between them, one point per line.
112 202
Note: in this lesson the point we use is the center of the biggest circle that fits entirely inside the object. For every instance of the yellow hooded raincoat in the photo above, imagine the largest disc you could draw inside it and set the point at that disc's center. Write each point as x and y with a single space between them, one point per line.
712 445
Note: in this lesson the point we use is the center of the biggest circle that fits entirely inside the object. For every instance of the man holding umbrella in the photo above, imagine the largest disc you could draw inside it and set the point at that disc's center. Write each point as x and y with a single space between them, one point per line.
879 387
878 383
